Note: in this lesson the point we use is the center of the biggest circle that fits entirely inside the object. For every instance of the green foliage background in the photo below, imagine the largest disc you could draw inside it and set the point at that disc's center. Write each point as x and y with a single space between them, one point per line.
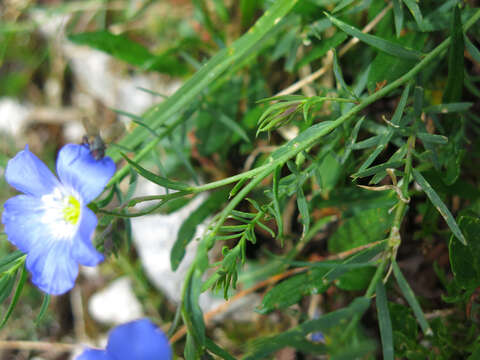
343 135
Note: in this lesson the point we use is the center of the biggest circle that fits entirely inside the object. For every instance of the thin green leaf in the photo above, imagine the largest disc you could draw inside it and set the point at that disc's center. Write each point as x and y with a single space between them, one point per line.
398 16
417 101
371 141
184 159
221 10
464 259
191 312
16 296
456 67
122 48
432 138
384 322
157 179
378 43
337 71
351 140
217 350
472 49
438 203
7 281
401 105
237 187
411 299
377 168
276 202
343 4
297 98
43 309
362 257
303 209
10 260
415 10
448 108
386 138
232 125
322 48
132 186
106 200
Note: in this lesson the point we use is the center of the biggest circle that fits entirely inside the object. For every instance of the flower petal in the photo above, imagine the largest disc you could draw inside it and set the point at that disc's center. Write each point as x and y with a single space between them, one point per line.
82 249
28 174
139 339
22 219
77 168
53 269
91 354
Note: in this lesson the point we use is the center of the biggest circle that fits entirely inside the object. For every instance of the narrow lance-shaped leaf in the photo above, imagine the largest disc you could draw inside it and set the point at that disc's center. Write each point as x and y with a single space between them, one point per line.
122 48
438 203
398 16
415 10
7 281
432 138
10 260
43 309
454 87
472 49
276 203
232 125
377 168
410 297
448 108
377 42
217 350
351 140
386 138
191 312
16 296
337 71
464 259
158 179
343 4
384 322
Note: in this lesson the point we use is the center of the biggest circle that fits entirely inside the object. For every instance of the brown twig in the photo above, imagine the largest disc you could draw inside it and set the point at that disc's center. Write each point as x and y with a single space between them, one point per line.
36 345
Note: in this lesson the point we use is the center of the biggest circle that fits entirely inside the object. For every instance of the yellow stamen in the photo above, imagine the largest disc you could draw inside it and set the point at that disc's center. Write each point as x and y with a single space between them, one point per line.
71 212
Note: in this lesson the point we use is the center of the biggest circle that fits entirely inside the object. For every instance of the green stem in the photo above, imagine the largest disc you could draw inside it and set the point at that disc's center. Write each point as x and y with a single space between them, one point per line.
233 204
376 278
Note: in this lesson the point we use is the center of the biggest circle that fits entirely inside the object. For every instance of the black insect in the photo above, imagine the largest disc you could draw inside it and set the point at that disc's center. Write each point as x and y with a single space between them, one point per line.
96 145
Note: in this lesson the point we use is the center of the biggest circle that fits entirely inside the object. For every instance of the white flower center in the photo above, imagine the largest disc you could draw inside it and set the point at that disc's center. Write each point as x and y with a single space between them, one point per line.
62 212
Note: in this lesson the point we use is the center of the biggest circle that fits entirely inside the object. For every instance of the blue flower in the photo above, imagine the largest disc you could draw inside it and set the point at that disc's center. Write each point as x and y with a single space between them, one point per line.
136 340
51 222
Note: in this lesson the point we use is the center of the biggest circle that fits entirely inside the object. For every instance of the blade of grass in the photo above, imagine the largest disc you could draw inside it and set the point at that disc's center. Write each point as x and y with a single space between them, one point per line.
378 43
441 207
16 296
384 322
410 297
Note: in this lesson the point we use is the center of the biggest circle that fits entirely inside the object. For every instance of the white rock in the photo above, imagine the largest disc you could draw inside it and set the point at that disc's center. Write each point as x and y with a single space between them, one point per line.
154 236
116 304
13 116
